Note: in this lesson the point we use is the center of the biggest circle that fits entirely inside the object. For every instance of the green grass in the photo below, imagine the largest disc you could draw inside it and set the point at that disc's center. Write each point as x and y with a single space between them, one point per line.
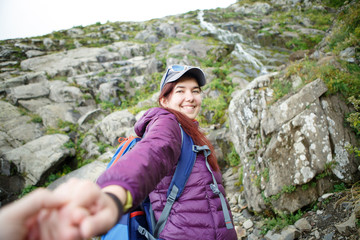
279 222
233 159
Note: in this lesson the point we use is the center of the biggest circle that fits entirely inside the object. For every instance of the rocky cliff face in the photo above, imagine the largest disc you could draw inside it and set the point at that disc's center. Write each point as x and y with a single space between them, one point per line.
67 97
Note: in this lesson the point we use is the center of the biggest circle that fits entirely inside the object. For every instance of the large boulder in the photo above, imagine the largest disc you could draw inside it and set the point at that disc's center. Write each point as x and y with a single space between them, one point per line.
16 128
291 145
37 158
115 125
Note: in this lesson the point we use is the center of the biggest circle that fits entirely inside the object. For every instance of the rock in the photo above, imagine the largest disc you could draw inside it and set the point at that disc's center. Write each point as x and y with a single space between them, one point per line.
34 53
282 112
147 35
75 32
349 224
168 30
90 172
271 235
65 63
37 158
348 54
325 196
248 224
346 165
26 92
52 113
89 144
12 82
115 125
22 130
48 43
61 92
7 113
329 236
89 116
193 47
34 104
303 225
241 232
289 233
257 8
108 90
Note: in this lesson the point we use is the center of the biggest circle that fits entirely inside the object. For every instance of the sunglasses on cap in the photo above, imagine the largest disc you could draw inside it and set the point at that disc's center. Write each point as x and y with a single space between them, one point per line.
174 72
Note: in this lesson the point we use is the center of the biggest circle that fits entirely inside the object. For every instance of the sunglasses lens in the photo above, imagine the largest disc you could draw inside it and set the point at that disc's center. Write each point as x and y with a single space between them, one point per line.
177 68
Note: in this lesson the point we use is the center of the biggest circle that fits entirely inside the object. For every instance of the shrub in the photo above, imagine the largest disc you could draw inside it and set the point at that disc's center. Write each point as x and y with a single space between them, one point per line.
233 158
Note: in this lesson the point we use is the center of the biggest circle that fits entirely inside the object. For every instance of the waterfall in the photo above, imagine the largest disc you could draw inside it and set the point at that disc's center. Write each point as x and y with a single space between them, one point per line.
245 51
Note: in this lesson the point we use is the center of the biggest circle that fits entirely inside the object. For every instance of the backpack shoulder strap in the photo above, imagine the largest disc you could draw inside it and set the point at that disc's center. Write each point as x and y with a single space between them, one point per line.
125 145
184 166
178 182
214 186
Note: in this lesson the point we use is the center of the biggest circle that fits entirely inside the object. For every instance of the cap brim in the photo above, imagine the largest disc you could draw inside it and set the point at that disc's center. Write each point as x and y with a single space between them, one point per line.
194 71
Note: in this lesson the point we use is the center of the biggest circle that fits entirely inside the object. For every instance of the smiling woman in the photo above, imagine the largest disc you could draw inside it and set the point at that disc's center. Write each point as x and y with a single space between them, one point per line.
23 18
185 97
148 169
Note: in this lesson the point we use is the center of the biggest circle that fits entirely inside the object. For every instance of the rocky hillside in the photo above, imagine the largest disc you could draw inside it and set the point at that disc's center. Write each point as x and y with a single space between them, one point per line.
281 106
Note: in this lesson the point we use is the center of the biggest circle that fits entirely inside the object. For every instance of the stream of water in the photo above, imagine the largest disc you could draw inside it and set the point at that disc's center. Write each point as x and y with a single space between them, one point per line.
251 56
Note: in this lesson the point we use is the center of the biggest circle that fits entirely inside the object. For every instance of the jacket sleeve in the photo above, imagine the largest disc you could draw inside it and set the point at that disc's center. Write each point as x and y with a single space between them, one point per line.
154 157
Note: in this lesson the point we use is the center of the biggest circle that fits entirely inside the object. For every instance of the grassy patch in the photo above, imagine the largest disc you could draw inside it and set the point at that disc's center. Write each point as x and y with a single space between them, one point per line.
344 80
281 88
346 32
280 222
233 159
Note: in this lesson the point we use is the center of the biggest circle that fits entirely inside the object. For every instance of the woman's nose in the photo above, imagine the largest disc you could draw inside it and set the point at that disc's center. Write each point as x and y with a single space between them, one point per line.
189 96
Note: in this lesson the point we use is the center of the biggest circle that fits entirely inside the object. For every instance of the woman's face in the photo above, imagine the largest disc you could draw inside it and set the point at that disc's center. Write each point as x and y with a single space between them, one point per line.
185 97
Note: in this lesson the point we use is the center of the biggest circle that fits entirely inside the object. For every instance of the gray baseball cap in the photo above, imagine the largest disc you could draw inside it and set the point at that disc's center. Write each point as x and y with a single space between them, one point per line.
174 72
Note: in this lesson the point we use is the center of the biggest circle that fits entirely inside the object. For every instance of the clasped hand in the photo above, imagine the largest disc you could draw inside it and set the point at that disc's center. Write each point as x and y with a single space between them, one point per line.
77 209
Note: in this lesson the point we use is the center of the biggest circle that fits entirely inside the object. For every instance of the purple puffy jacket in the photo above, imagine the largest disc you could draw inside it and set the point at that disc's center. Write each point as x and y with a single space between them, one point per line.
147 170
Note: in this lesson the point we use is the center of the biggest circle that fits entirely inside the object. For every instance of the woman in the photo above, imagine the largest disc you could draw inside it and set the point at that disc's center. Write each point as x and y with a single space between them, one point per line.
148 168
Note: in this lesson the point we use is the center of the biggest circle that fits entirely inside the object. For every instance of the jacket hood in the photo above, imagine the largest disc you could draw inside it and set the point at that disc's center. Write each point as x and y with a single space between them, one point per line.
149 115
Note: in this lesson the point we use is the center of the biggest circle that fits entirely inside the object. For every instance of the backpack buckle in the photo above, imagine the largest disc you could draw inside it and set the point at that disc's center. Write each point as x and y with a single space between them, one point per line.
215 189
195 148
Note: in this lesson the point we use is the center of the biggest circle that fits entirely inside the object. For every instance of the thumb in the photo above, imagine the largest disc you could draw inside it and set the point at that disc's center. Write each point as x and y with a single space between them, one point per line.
98 224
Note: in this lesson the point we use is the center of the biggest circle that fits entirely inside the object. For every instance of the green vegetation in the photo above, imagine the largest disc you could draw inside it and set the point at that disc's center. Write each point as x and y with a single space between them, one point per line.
354 120
27 190
103 147
36 119
343 80
280 221
233 159
346 32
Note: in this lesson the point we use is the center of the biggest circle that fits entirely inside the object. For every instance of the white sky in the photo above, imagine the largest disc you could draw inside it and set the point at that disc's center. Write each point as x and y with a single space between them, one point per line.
28 18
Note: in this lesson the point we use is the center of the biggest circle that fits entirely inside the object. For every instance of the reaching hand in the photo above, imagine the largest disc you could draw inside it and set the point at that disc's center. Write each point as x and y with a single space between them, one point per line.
88 212
16 219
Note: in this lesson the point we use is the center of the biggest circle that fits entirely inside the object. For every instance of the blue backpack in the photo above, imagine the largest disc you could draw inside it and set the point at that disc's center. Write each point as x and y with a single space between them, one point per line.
140 224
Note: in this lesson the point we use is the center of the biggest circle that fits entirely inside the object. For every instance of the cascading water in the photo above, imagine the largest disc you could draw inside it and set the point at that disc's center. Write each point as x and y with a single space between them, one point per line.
247 53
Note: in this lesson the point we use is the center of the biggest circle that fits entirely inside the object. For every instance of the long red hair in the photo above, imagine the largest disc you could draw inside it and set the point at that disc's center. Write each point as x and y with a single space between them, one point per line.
188 125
